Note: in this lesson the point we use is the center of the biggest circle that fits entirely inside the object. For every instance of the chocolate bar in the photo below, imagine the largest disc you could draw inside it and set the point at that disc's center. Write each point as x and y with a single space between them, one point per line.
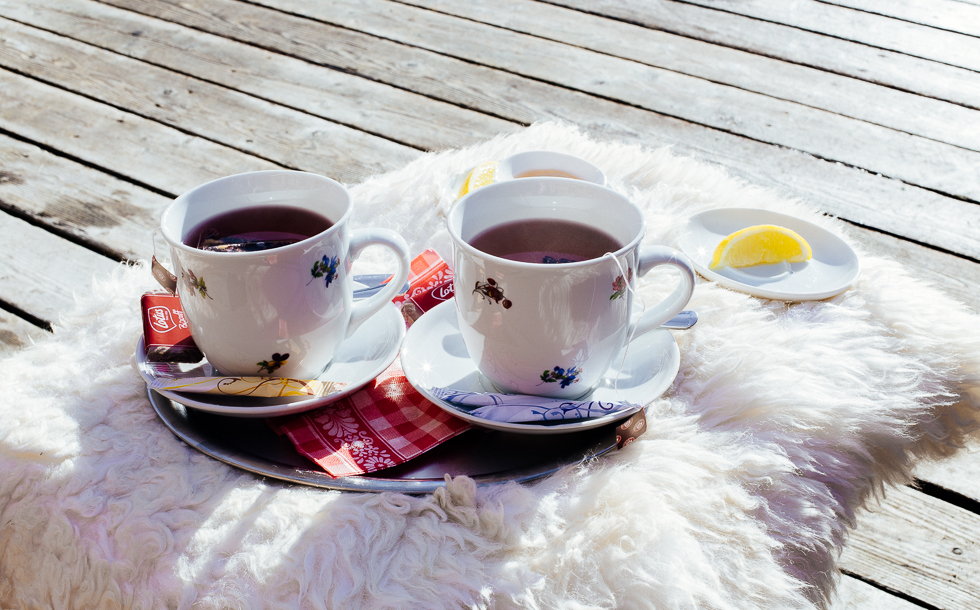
166 334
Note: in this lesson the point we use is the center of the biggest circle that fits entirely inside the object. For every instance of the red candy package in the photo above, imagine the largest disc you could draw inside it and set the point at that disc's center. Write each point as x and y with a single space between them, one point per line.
430 282
166 335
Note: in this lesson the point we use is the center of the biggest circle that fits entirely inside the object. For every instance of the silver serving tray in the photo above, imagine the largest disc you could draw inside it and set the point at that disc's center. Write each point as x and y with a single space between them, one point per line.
487 456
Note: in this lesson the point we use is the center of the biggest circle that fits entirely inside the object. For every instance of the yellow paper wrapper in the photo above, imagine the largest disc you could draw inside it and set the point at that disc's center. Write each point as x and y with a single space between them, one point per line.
261 387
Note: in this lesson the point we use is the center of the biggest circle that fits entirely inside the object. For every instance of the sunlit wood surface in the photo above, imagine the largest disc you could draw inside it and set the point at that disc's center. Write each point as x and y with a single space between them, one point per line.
868 108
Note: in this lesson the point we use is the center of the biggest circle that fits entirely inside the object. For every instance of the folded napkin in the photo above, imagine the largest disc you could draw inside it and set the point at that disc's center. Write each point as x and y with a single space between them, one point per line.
383 425
517 408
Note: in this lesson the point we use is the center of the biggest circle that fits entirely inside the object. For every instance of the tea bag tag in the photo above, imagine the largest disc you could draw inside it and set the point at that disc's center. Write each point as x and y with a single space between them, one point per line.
162 274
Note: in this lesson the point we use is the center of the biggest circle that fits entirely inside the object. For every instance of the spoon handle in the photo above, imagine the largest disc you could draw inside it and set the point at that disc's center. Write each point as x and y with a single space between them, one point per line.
682 321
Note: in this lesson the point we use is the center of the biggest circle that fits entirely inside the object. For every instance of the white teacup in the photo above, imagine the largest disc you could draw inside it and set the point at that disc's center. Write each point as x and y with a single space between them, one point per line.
545 163
553 329
281 311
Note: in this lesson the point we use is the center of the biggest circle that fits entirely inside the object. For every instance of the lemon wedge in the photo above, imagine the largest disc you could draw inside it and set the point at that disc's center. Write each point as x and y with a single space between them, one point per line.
761 244
482 175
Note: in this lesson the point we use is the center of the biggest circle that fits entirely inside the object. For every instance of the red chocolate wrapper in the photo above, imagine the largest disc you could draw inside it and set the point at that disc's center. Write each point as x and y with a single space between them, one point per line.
166 334
429 283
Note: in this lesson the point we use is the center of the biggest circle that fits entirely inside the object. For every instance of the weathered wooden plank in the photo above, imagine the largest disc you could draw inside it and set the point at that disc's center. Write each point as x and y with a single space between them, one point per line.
16 334
848 24
952 15
288 137
145 151
883 106
909 158
924 77
89 205
852 594
959 473
860 197
920 546
423 72
411 119
39 272
957 277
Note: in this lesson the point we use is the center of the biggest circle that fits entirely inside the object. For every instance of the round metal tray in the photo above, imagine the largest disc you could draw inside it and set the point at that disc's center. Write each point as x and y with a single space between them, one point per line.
486 456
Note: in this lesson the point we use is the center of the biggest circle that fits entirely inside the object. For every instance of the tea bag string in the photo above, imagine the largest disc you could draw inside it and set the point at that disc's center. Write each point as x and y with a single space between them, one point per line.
632 331
153 240
163 275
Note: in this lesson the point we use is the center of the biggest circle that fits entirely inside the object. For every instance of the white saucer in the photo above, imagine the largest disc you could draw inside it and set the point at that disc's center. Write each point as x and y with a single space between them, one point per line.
832 269
433 355
359 359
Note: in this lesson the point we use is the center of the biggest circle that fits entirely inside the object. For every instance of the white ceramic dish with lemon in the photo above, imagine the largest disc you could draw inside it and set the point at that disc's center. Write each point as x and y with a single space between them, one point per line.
831 270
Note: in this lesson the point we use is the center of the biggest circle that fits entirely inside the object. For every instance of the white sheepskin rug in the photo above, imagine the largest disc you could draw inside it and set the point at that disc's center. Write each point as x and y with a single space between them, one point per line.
783 421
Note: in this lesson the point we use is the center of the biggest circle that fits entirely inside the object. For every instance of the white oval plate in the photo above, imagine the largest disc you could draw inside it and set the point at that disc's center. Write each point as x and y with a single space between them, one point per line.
358 359
832 269
433 355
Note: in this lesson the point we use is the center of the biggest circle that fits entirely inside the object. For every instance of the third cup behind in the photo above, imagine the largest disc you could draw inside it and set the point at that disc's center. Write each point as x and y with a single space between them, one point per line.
553 329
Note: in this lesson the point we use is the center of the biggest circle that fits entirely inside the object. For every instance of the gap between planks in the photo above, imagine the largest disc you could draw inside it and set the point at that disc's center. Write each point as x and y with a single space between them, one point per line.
920 546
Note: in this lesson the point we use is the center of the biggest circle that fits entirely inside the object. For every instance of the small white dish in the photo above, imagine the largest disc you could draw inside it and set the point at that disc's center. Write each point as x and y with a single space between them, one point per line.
358 359
544 163
832 269
433 355
539 163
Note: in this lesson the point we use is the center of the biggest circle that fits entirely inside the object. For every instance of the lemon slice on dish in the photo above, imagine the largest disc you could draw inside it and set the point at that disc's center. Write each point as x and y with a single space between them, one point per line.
761 244
482 175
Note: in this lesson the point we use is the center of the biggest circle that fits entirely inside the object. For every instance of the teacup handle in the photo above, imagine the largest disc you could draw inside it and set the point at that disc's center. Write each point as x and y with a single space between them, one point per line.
650 257
362 238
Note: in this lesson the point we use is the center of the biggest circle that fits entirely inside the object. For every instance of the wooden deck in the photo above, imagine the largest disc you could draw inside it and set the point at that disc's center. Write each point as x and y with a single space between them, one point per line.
868 108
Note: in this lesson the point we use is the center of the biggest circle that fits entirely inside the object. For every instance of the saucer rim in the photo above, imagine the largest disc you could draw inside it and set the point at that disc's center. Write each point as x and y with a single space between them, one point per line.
293 407
759 291
533 428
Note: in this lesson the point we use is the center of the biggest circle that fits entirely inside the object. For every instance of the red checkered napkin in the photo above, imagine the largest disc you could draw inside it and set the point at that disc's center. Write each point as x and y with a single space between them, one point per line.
388 422
383 425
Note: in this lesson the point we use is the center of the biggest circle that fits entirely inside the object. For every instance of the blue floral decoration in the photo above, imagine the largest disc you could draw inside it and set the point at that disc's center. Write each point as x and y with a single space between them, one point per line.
325 268
558 374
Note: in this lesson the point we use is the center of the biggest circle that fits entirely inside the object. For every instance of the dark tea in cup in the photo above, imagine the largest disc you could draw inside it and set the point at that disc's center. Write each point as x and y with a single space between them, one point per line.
256 228
545 241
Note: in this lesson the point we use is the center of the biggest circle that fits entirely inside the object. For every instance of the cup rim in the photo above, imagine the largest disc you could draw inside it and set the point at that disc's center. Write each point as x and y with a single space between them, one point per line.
180 245
461 202
571 164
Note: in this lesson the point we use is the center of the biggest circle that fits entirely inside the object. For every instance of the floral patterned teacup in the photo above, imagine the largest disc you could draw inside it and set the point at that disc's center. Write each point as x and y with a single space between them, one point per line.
552 327
281 311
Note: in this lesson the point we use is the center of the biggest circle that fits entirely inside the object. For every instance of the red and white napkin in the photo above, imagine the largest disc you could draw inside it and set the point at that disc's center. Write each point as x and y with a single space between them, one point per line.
388 422
380 426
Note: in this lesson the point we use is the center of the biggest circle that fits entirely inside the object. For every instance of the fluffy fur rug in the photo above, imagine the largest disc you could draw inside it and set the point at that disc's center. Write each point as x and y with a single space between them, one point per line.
783 421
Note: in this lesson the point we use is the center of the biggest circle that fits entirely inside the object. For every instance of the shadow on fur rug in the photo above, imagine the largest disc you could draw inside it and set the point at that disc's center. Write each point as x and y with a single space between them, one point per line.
783 420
